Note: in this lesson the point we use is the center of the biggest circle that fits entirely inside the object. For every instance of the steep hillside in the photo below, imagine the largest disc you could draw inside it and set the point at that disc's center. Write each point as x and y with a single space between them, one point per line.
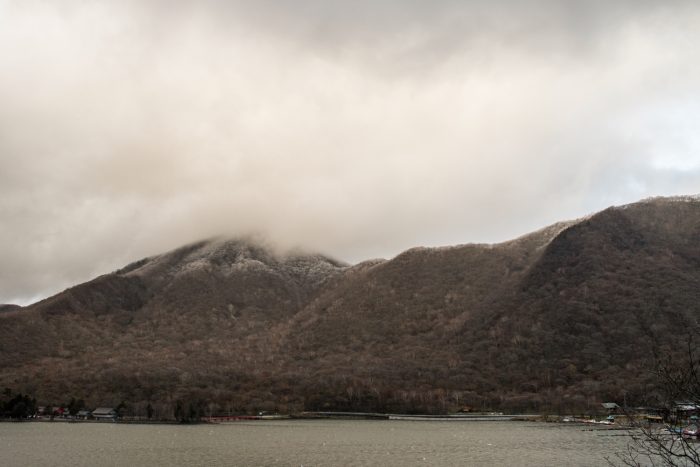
607 295
555 320
389 337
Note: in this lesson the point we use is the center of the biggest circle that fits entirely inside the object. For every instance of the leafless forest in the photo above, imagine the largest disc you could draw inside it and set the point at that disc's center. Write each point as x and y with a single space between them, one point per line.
555 321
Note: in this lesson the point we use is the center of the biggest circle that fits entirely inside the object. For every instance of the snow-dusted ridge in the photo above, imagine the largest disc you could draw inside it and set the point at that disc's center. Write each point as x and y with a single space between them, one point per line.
254 252
664 199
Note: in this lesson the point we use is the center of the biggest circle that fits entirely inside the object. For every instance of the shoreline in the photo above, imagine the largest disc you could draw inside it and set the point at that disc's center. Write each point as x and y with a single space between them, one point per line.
229 419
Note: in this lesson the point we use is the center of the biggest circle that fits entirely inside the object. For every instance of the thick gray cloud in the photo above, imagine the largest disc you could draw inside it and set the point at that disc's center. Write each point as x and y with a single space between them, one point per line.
358 128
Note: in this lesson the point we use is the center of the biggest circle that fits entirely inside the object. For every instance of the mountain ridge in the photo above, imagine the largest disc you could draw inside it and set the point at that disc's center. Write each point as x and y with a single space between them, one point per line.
559 318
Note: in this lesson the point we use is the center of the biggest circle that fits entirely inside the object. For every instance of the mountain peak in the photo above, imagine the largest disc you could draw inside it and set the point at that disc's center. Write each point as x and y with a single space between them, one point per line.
222 253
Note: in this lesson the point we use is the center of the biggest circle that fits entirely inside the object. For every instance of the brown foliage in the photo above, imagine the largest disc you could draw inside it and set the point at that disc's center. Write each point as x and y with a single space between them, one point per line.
556 320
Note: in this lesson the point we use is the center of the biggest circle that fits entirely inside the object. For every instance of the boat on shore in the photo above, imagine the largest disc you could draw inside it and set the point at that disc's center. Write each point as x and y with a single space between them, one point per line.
691 431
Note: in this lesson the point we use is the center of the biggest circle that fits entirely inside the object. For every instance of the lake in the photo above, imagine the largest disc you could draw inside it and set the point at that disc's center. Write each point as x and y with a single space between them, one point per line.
308 443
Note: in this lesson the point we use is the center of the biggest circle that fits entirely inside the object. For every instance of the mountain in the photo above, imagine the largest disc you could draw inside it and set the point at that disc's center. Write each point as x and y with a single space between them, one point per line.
559 319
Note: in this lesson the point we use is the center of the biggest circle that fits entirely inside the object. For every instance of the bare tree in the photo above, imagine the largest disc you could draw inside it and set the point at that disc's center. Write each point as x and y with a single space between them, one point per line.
665 445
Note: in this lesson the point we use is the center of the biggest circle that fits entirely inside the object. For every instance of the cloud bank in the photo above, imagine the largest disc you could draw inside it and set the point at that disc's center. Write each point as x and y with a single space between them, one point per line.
358 129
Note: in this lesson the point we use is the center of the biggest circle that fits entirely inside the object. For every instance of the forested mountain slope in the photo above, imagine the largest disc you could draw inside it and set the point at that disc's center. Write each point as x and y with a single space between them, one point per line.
558 319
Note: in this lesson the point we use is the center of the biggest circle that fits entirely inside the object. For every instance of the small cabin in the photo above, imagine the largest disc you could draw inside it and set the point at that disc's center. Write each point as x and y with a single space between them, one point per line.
611 407
104 413
687 411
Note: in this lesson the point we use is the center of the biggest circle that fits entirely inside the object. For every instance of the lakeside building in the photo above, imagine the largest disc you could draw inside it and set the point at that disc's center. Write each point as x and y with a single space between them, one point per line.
104 413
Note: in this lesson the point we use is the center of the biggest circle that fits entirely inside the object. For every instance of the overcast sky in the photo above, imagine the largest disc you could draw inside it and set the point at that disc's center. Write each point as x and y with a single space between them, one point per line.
356 128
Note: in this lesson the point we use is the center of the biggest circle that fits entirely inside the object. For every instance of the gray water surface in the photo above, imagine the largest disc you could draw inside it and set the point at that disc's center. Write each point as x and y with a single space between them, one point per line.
308 443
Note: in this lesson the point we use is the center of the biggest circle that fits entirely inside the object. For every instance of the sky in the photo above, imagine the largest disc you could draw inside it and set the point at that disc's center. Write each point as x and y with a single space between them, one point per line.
356 129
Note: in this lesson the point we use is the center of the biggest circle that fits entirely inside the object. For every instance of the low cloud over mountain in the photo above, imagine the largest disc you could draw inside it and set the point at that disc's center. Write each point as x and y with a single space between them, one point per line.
358 129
